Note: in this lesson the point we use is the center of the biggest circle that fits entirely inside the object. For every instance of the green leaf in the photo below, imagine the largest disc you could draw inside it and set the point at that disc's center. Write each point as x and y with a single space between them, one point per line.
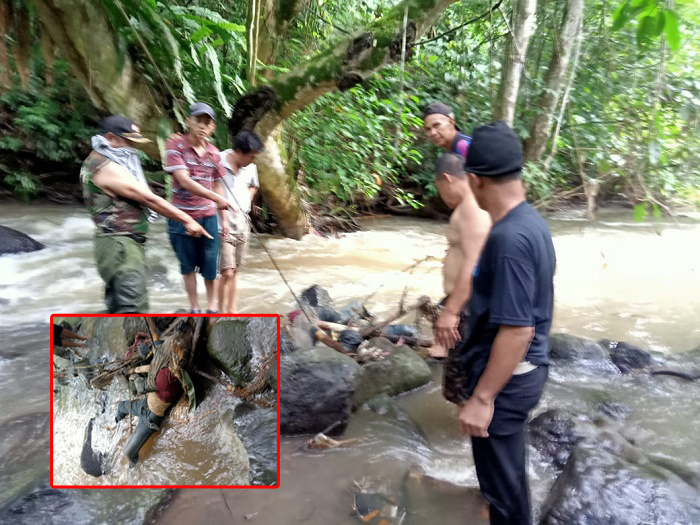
216 68
657 210
201 33
620 16
673 35
645 30
640 212
660 21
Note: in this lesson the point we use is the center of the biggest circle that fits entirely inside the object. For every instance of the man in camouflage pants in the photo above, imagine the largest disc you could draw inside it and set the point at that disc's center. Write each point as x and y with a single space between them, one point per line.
118 199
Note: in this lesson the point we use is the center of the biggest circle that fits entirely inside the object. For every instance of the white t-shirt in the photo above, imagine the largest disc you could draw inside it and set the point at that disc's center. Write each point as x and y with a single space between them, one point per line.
237 186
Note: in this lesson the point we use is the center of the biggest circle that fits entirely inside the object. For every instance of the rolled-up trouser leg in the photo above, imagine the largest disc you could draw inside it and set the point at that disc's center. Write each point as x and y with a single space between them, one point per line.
147 425
125 408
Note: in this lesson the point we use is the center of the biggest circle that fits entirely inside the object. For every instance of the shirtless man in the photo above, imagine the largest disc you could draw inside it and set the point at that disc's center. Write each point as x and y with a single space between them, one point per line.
469 227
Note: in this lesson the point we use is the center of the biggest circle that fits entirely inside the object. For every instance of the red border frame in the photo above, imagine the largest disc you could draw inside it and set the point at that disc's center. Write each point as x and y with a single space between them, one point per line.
167 486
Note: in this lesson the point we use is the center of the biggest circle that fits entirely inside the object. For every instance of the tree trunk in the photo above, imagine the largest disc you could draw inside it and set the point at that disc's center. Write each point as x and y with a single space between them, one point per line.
541 126
267 25
81 31
349 63
5 75
520 29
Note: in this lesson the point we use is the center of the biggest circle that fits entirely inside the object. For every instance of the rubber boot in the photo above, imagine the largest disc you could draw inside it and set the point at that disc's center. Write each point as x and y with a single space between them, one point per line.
147 425
123 409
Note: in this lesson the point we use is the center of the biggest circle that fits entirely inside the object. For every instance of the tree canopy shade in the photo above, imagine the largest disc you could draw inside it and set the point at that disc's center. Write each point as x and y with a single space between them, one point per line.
599 90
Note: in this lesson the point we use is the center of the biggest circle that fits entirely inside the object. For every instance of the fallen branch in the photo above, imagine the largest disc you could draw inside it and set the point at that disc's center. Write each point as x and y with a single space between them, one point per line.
423 300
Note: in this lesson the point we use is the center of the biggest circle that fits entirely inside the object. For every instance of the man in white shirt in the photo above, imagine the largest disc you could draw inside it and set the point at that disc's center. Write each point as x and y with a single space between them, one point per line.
240 185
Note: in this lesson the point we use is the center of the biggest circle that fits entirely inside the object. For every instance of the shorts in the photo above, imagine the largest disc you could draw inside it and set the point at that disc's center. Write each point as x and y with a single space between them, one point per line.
57 329
121 262
196 253
233 251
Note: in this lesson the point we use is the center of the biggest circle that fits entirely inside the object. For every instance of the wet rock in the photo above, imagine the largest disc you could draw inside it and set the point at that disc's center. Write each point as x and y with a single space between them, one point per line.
426 498
257 429
555 433
271 377
132 326
13 241
629 358
317 297
106 338
395 424
85 507
228 345
287 344
158 275
566 347
316 388
614 410
606 483
401 371
24 456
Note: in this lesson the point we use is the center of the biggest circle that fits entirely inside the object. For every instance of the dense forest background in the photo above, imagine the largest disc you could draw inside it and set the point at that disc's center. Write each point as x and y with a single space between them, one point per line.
605 91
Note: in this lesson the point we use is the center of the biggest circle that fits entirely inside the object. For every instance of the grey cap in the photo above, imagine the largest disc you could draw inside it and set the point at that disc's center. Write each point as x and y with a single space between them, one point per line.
200 108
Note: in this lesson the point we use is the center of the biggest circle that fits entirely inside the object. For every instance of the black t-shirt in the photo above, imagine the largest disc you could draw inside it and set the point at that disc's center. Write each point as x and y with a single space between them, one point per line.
512 285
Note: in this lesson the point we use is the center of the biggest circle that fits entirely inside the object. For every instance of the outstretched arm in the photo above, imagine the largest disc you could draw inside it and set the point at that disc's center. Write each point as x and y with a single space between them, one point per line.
116 181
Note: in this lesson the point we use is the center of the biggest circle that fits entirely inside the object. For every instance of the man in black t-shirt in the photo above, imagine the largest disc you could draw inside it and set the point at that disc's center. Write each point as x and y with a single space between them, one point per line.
505 357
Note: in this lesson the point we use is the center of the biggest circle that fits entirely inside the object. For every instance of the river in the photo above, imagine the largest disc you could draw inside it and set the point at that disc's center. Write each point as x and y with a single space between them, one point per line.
616 279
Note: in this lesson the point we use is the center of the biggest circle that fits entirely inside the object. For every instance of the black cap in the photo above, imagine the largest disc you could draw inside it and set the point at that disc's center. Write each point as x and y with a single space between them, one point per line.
200 108
122 127
438 108
495 150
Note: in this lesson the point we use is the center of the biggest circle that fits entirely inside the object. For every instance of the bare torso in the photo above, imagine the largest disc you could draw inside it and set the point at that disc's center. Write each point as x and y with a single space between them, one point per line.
455 257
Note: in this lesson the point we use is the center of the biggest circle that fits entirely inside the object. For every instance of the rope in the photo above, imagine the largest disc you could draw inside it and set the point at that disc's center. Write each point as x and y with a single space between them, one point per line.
272 259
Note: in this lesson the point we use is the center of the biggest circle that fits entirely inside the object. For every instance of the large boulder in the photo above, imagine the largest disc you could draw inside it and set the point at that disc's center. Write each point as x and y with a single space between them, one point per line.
402 370
567 347
12 241
316 388
257 429
84 507
317 297
610 482
24 456
107 340
238 346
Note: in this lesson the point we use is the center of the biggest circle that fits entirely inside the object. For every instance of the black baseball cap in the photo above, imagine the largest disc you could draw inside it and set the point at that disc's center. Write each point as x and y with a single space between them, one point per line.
122 127
438 108
200 108
495 150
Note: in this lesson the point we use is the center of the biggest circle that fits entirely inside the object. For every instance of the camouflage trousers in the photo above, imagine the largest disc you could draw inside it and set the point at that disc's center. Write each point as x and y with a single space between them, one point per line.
121 262
454 376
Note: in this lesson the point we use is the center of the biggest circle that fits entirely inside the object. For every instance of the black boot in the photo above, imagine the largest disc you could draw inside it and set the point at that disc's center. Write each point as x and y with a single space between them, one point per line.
135 409
147 425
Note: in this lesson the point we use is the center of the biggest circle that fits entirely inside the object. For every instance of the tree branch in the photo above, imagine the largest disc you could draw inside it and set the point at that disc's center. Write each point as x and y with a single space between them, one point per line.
471 21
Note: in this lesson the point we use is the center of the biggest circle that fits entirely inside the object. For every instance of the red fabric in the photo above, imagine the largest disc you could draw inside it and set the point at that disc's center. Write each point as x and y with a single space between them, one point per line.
293 315
141 337
180 155
168 387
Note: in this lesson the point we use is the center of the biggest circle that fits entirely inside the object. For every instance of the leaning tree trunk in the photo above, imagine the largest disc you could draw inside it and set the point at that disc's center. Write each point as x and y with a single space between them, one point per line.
81 31
541 126
349 63
520 30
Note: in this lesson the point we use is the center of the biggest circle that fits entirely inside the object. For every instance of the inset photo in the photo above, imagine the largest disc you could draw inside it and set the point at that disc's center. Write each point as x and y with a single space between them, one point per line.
164 401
